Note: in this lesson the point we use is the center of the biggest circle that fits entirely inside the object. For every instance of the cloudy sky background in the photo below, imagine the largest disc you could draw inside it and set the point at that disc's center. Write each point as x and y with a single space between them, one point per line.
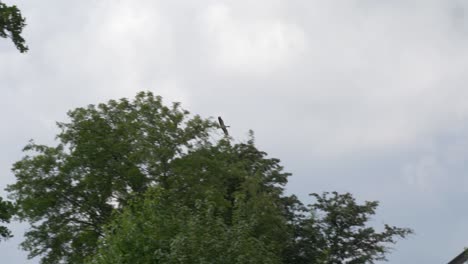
361 96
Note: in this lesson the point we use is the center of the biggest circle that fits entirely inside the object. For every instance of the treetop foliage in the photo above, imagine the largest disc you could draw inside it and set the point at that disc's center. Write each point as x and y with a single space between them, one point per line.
135 181
11 25
106 154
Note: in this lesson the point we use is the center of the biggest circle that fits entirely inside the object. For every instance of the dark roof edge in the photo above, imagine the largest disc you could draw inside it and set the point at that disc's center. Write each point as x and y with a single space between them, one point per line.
460 259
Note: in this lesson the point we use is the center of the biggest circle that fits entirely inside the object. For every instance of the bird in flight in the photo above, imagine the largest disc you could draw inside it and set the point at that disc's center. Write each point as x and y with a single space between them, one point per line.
223 127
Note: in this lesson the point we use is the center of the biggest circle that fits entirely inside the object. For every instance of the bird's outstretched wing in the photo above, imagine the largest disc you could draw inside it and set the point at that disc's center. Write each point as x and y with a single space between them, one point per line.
223 127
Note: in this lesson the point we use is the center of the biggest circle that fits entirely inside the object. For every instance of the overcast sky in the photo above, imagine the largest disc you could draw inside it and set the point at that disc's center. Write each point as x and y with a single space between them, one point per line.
360 96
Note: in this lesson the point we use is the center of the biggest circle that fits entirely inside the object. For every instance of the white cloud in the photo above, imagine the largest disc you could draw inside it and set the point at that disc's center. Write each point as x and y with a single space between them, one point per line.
375 77
425 174
250 45
329 86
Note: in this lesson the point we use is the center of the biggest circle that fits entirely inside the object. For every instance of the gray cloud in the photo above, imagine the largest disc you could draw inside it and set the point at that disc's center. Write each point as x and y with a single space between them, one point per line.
360 96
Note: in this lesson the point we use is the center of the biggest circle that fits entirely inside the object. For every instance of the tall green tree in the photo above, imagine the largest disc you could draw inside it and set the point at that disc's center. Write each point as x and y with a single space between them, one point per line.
11 25
335 230
105 155
139 182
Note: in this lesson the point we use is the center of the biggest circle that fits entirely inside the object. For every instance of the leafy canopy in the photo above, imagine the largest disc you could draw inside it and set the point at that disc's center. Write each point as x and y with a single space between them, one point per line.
139 182
106 154
11 25
334 230
223 205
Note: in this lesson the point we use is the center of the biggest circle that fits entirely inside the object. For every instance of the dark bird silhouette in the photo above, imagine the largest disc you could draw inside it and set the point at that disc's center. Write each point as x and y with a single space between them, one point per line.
223 127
